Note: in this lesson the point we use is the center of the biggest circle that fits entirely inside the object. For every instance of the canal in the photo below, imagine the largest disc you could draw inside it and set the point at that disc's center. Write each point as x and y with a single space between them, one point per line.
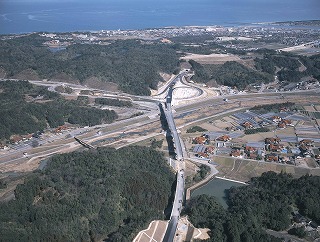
216 187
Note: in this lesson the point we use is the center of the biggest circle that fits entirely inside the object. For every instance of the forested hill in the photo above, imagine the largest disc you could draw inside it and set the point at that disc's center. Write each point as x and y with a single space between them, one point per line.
89 196
266 203
26 108
132 64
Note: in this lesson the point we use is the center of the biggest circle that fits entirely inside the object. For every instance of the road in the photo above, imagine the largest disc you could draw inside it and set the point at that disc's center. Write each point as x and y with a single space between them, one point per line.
179 194
133 123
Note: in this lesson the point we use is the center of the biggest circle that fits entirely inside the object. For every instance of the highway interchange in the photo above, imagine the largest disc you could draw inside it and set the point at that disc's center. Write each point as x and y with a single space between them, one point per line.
62 144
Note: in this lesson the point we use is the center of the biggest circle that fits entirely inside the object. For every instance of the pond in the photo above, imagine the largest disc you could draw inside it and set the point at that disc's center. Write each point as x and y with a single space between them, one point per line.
216 187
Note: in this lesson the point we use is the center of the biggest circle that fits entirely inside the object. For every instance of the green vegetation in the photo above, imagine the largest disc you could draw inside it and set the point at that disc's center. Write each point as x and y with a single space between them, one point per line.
25 108
113 102
202 172
289 64
132 64
136 114
83 100
266 202
275 107
300 232
235 74
231 74
270 62
257 130
156 143
105 194
196 129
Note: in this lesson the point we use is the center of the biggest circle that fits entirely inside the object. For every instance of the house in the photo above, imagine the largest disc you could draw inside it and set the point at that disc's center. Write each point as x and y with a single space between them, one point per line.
27 137
274 148
283 109
247 125
306 142
250 149
224 138
15 139
60 128
235 153
202 155
303 148
276 119
199 140
3 147
210 150
272 157
287 122
285 159
282 125
272 140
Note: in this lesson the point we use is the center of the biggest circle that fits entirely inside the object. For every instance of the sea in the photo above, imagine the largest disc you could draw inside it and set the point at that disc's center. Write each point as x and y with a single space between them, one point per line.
22 16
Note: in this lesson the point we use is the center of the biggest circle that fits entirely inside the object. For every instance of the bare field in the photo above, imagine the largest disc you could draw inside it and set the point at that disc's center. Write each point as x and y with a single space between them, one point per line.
244 170
257 137
155 232
21 165
309 108
212 58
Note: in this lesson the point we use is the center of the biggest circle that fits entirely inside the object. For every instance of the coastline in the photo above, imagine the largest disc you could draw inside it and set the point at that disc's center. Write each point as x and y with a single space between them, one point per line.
290 24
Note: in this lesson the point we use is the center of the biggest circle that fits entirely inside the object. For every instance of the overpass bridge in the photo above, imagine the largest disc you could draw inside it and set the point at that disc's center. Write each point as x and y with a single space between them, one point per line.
180 187
84 144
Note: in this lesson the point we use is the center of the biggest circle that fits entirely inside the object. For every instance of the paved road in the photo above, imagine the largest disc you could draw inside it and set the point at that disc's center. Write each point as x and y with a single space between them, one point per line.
179 194
174 132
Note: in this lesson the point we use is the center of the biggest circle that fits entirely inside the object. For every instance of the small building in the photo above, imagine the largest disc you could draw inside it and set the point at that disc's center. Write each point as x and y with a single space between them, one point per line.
295 151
